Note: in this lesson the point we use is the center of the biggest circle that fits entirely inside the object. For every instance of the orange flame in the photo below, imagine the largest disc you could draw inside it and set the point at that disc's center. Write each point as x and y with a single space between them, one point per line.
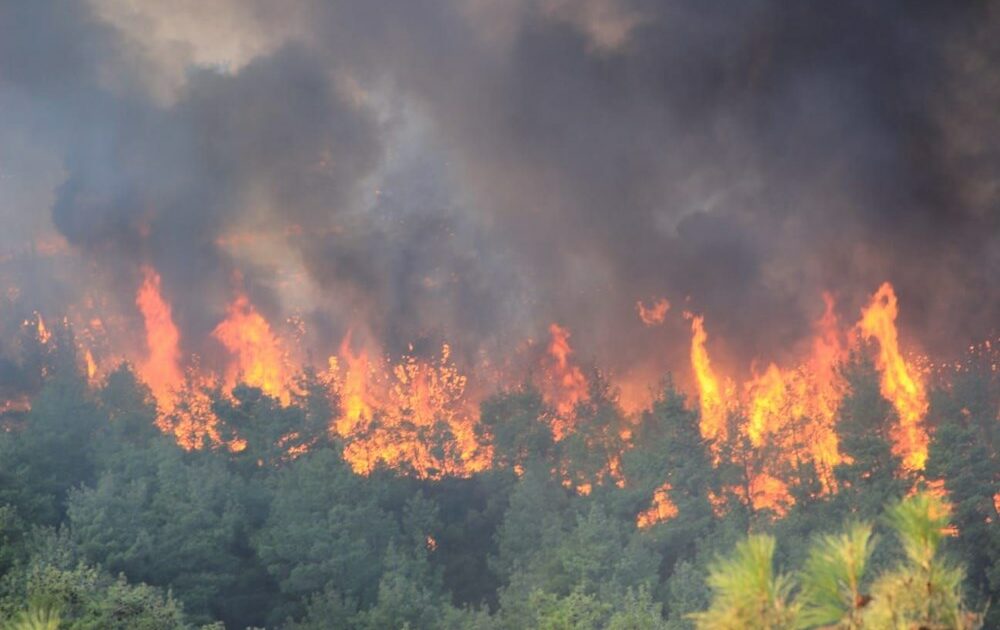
654 314
417 415
89 365
900 383
827 354
161 369
807 395
414 416
258 357
770 492
565 385
43 333
711 398
191 419
353 387
662 509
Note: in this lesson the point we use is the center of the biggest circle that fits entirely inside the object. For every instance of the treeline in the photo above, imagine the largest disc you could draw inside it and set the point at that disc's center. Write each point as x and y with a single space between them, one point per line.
106 523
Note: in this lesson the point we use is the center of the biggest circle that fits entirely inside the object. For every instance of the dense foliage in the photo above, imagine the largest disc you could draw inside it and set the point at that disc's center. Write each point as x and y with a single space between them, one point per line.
106 523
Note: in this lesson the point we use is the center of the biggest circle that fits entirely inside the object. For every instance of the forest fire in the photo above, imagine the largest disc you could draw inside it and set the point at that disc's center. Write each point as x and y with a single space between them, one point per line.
808 395
497 314
416 414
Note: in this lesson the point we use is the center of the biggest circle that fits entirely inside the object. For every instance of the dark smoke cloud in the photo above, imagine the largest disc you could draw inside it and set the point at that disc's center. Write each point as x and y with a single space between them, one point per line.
572 158
272 147
748 155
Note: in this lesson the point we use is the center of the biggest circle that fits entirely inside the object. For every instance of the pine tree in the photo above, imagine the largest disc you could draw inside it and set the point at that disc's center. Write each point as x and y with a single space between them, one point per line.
922 591
747 593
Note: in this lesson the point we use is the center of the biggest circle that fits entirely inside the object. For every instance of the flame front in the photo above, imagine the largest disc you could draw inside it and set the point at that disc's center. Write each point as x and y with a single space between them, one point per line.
415 413
900 383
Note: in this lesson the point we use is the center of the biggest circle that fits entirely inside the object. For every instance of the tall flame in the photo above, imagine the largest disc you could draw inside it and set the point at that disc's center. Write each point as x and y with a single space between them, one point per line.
900 383
161 369
711 397
808 394
90 365
44 335
827 354
356 399
258 356
565 385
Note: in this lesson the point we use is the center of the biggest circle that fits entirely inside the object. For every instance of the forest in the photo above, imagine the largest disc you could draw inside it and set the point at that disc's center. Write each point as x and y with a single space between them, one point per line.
107 522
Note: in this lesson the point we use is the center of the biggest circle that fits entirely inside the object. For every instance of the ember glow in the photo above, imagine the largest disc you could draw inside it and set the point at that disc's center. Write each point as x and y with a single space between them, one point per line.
662 508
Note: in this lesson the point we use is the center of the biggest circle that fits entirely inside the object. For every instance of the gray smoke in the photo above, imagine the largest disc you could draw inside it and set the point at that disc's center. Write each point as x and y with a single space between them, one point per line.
472 171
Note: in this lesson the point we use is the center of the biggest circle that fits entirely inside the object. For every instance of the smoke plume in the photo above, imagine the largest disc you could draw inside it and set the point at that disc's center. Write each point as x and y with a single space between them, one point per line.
418 170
